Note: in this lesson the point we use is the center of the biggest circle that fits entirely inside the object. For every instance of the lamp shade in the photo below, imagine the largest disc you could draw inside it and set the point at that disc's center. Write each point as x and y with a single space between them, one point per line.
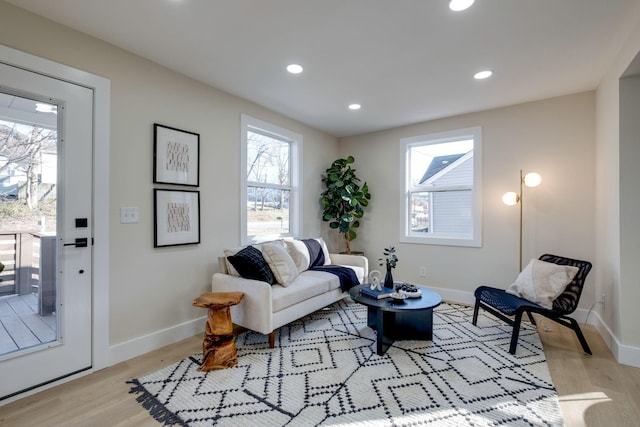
532 179
510 198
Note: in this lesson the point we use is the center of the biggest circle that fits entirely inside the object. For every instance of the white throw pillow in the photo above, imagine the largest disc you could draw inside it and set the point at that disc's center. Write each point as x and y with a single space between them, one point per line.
299 253
542 282
280 262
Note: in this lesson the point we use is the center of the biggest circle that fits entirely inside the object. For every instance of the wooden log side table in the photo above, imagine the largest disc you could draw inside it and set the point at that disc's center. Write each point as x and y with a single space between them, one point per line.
218 347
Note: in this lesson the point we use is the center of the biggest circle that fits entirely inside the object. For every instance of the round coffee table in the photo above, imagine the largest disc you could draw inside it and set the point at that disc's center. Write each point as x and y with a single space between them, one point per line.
411 319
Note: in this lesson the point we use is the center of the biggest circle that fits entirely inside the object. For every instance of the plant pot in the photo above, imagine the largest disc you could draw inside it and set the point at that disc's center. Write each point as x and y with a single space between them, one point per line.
352 253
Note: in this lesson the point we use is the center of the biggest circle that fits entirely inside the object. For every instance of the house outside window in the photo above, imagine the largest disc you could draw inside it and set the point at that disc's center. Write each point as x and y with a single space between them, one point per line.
270 159
441 194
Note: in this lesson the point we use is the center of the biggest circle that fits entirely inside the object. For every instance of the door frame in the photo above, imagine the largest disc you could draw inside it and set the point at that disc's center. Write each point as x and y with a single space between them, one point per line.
101 88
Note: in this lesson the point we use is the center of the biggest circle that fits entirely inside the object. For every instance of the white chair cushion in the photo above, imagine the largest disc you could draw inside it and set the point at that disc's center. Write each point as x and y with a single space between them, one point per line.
542 282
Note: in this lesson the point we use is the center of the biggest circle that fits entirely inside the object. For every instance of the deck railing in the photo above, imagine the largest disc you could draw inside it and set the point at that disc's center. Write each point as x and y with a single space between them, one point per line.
29 259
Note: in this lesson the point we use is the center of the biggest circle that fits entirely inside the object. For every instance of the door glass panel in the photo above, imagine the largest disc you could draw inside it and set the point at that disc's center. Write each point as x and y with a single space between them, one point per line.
28 203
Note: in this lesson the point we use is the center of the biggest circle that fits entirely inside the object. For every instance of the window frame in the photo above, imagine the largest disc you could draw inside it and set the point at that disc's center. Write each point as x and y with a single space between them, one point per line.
406 189
247 124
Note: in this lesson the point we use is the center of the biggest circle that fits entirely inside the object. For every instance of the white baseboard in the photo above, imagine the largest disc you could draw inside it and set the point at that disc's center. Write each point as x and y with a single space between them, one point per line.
139 346
450 295
625 354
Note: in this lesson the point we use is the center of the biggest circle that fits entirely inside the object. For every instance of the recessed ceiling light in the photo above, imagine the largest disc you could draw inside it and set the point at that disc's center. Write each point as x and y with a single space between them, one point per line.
355 106
483 74
294 68
458 5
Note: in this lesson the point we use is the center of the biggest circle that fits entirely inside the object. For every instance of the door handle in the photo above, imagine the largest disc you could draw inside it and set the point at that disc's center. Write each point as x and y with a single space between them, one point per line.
79 243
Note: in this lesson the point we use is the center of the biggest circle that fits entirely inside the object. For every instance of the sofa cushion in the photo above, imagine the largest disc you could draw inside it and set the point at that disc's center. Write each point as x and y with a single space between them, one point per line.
250 263
307 285
280 262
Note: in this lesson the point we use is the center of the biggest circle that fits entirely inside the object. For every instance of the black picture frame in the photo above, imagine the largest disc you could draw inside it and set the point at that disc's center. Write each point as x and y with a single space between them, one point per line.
176 217
176 156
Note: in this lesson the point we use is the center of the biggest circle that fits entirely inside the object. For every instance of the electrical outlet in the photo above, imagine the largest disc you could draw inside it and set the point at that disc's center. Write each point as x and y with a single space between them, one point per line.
422 271
602 297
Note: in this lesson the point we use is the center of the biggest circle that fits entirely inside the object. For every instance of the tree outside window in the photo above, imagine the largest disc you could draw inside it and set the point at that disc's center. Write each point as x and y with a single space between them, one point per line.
270 178
28 168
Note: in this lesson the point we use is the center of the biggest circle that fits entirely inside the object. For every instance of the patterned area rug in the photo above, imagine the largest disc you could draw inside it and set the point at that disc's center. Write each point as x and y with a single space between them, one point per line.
325 371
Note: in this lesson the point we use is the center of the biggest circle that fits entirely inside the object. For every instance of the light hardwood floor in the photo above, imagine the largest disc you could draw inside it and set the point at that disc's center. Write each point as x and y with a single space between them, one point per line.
593 390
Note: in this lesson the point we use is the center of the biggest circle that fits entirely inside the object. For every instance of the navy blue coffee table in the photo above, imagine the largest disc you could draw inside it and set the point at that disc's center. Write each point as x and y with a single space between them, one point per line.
411 319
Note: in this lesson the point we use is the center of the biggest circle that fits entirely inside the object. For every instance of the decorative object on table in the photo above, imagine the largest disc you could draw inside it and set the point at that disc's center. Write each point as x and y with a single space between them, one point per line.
408 289
398 297
460 378
390 260
374 280
511 198
376 293
343 200
176 156
176 217
218 347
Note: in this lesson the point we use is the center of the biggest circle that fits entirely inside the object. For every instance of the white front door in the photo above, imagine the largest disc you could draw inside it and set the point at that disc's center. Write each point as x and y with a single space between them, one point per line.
63 283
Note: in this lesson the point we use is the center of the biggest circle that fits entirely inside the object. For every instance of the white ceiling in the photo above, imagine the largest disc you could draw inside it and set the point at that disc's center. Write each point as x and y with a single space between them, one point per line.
405 61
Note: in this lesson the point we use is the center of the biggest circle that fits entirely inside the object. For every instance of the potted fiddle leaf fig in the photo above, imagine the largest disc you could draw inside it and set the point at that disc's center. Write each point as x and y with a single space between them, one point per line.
344 199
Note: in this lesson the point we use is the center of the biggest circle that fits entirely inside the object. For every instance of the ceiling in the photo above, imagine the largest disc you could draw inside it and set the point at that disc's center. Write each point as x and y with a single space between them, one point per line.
405 61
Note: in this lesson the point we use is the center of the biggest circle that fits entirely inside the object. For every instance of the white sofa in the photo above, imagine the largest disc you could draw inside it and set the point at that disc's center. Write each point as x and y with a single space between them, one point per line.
267 307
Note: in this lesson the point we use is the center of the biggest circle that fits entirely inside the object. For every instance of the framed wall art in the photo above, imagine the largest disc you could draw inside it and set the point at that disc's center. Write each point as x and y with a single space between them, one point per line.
176 217
176 156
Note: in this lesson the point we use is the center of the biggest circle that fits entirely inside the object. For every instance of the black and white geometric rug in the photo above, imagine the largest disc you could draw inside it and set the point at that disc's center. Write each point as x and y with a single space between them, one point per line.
325 371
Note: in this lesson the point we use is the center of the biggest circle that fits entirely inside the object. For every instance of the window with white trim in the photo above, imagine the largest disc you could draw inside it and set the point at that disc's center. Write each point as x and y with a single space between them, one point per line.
270 164
441 194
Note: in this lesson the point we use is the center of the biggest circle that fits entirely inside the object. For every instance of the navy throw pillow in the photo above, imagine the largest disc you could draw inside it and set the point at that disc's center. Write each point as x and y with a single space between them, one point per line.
251 265
316 255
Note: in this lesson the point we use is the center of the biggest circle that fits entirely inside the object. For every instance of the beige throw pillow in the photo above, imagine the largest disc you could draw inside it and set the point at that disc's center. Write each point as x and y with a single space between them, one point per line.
542 282
280 262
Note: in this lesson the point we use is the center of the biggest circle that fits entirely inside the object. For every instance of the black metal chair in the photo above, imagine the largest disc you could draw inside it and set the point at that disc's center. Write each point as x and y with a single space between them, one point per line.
501 304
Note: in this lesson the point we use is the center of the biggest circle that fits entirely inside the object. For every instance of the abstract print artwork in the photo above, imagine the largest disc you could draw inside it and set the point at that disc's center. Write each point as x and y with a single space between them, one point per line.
177 217
176 156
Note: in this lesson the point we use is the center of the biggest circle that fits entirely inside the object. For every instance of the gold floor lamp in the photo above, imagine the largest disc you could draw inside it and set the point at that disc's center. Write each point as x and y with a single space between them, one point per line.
531 179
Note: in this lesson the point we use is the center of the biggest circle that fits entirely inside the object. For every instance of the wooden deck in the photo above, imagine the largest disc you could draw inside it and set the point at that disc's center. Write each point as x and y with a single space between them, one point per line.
20 324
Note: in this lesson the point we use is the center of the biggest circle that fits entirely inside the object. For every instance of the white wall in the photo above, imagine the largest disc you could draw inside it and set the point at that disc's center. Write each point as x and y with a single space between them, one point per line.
554 137
617 177
151 289
629 207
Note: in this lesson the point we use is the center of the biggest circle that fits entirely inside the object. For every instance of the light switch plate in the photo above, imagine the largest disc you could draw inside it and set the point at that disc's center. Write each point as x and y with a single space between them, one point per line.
129 215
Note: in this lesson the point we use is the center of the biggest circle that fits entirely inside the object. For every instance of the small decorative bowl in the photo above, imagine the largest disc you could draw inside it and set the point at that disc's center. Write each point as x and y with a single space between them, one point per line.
398 297
415 294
